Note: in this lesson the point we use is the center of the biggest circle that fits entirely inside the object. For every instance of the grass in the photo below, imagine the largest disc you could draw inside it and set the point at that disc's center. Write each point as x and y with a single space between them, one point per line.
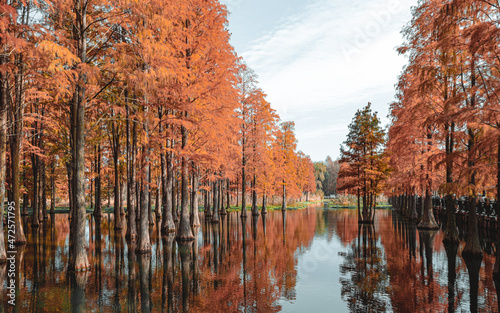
106 210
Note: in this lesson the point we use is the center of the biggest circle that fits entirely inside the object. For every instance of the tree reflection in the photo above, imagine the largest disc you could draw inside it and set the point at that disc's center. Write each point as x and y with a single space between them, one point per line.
473 264
451 249
184 251
365 279
132 290
426 244
78 283
232 267
168 280
144 265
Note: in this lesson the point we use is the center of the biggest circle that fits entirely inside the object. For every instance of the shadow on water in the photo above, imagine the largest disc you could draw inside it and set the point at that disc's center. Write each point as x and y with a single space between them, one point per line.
253 266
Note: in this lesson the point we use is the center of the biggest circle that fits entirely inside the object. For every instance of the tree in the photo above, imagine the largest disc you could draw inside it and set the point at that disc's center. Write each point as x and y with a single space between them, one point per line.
366 164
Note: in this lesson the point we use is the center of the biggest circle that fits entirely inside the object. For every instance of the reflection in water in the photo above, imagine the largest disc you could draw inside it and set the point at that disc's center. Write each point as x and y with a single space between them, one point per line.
184 251
473 266
144 264
248 265
365 280
451 254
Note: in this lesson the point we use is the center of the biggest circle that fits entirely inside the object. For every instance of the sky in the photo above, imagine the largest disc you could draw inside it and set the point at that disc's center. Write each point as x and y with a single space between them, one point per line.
319 61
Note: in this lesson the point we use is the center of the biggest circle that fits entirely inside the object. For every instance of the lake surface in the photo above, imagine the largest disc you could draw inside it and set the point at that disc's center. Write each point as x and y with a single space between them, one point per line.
311 260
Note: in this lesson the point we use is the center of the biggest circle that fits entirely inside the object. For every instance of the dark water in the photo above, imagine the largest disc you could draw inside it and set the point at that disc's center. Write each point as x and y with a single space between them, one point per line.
316 261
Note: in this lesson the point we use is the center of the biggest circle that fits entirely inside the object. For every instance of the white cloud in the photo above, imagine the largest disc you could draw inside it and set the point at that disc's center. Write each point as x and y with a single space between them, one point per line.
327 59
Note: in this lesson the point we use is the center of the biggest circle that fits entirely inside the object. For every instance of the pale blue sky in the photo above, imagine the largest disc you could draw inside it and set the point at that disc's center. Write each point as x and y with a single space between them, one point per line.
321 60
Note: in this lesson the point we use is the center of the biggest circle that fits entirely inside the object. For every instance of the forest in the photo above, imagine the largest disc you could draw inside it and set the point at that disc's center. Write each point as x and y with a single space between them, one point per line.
142 106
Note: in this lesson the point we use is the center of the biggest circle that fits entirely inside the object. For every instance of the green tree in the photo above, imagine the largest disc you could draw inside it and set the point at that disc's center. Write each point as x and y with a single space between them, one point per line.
319 175
365 165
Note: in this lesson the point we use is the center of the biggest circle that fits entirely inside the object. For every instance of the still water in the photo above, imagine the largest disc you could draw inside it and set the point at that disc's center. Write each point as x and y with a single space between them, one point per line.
311 260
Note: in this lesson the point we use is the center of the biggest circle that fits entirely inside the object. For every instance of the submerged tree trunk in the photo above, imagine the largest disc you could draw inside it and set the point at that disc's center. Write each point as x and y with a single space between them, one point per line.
255 209
223 207
144 239
206 204
184 232
472 245
264 209
34 201
44 191
132 203
215 191
98 179
428 221
194 199
451 232
168 224
53 188
243 191
283 204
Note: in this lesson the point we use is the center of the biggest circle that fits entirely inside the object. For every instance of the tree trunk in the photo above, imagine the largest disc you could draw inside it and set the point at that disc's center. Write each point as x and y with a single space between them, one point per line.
194 201
215 216
53 188
428 221
243 192
34 202
223 208
451 232
255 209
264 209
496 270
206 205
3 152
16 147
115 147
185 232
150 201
144 240
168 224
283 204
98 180
132 203
44 190
175 216
228 201
472 245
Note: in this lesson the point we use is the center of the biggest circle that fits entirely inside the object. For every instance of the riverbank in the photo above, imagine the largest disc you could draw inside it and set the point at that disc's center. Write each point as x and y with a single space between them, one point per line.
106 210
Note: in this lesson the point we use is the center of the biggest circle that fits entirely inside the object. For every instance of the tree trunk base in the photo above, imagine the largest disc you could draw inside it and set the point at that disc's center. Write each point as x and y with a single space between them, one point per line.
427 226
243 216
263 212
184 238
472 253
81 264
166 231
366 222
451 237
255 213
131 238
143 251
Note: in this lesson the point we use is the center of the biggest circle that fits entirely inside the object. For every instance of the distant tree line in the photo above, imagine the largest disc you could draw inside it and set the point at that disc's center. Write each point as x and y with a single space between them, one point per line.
326 174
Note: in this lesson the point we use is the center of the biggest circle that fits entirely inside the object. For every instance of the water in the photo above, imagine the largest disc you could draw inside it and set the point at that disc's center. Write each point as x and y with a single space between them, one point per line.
316 261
